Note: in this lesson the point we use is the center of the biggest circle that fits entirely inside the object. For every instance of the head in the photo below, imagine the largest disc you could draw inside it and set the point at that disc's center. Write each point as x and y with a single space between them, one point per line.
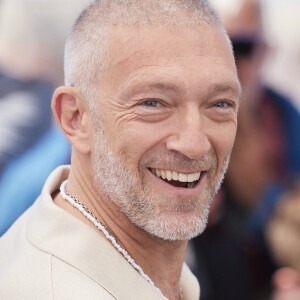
157 95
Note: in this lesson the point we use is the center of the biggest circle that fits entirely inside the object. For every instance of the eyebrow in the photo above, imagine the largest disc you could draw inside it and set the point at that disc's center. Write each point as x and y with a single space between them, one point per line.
139 88
232 86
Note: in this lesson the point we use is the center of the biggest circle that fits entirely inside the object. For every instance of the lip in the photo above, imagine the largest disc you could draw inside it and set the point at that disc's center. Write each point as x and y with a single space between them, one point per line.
180 192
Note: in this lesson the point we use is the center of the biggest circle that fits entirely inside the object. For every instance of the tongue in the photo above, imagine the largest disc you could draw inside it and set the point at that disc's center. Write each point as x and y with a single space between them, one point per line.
176 183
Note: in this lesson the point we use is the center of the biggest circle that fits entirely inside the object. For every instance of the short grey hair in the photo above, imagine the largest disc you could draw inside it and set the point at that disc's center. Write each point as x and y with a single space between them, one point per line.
86 48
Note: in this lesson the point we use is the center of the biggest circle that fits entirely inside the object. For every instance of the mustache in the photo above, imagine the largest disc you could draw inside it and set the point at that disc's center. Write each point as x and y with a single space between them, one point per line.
172 159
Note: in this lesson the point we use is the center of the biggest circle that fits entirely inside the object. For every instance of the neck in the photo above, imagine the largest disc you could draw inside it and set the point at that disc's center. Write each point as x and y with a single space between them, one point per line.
167 257
165 265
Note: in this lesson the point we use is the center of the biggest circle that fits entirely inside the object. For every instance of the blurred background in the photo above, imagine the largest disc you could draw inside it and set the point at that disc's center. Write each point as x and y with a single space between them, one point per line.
251 248
32 37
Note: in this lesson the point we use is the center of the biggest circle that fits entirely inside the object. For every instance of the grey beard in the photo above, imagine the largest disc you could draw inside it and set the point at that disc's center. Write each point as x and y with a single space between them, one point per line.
113 178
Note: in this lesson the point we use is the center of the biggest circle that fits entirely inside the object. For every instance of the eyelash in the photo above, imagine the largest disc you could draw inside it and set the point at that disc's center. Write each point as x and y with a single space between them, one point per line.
154 103
225 104
149 101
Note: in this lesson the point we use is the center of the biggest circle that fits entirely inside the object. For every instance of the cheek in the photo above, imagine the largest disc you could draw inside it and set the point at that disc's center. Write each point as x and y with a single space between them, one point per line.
135 140
223 140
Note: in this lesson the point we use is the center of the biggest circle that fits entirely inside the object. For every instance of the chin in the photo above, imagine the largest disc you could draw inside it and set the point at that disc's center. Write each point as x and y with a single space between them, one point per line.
176 227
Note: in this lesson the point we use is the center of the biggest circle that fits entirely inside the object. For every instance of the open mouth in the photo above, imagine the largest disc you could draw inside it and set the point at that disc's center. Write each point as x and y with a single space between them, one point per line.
177 179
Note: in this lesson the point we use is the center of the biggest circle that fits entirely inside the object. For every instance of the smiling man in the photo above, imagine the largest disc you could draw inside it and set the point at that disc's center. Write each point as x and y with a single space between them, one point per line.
150 107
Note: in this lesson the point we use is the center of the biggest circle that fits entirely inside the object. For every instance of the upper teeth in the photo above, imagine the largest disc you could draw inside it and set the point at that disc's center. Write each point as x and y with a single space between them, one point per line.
173 175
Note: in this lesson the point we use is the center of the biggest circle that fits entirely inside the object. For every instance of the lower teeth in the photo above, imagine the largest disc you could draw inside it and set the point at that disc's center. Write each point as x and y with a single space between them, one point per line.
190 185
187 185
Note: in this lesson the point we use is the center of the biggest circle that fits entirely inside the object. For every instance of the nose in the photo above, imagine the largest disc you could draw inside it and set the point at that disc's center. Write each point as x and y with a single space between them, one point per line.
189 136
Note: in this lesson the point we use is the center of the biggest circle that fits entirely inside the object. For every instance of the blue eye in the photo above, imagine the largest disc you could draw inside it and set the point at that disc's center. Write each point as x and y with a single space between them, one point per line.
221 104
151 103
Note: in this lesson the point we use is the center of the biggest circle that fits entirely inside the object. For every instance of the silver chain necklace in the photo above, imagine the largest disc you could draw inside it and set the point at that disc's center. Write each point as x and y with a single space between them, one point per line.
90 216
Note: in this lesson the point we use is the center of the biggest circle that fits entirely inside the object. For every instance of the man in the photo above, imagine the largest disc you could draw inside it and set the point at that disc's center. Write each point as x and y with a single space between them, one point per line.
150 107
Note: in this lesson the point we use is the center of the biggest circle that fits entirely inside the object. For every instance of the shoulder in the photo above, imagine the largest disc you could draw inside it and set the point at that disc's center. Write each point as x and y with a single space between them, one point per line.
70 282
24 270
27 272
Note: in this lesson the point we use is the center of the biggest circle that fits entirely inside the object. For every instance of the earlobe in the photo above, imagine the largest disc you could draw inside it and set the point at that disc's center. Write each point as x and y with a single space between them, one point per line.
71 113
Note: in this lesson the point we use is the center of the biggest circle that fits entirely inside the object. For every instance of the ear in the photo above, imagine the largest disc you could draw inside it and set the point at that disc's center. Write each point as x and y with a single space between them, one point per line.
72 114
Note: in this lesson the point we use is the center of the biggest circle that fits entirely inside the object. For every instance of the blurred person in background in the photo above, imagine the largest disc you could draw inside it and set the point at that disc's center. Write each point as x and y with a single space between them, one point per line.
32 35
24 97
231 258
283 235
283 227
286 282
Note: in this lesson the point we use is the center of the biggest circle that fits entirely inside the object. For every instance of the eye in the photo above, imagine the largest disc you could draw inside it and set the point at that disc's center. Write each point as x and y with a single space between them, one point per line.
152 110
151 103
222 104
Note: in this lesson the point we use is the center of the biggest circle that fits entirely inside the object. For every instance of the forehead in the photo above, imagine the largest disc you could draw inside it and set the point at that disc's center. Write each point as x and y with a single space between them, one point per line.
142 53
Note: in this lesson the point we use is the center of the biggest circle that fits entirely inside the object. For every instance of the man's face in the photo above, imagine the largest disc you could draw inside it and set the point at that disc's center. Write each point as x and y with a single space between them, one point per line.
165 124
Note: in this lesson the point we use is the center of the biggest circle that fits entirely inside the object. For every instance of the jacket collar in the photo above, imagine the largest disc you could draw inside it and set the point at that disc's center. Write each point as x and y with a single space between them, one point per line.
57 232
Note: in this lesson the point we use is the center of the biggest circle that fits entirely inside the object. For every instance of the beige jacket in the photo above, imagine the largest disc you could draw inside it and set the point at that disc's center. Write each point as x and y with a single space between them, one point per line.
50 254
